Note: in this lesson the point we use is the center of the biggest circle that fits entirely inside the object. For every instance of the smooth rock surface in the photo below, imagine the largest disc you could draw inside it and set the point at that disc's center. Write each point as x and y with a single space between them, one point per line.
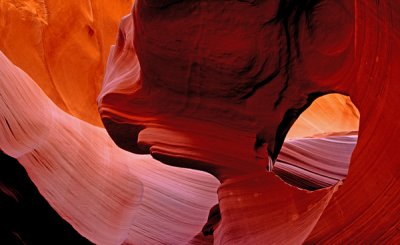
214 86
63 46
220 87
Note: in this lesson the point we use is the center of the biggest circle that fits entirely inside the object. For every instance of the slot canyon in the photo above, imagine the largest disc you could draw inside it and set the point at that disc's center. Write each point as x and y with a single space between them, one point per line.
199 122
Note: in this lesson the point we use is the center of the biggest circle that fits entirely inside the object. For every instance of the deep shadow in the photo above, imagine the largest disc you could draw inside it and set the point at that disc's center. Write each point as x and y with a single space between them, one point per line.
25 216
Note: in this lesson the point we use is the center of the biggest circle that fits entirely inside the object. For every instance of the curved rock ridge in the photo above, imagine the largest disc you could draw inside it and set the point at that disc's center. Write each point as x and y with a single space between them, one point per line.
55 42
112 196
220 86
217 89
150 91
108 195
314 163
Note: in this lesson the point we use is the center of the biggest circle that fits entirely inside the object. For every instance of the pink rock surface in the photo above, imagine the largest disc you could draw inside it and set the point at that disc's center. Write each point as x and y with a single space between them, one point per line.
216 86
109 195
313 163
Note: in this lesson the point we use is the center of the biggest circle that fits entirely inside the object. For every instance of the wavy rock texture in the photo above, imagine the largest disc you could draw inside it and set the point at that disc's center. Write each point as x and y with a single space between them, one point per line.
204 96
315 163
107 194
218 90
113 196
56 42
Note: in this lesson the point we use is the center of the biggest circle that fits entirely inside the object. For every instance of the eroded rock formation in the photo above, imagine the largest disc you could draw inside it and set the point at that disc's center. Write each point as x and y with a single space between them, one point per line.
63 46
107 194
212 86
219 88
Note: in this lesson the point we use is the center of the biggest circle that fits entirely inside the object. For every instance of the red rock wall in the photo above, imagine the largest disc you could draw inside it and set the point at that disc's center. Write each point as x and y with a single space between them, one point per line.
213 86
219 88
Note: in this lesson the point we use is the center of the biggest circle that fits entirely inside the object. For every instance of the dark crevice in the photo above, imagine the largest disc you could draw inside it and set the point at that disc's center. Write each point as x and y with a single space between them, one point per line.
25 216
214 218
9 127
126 136
288 17
264 82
